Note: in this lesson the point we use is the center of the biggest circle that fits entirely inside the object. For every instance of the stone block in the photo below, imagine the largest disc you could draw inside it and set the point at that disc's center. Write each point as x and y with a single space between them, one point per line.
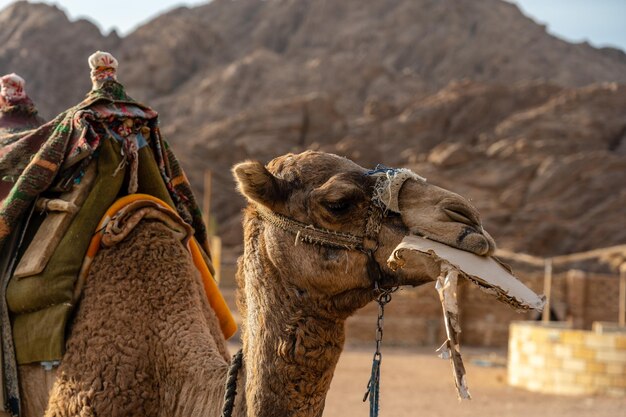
602 341
573 337
584 379
581 352
575 365
528 348
619 381
595 367
563 377
613 356
537 361
563 351
520 331
573 389
546 348
615 369
553 362
603 381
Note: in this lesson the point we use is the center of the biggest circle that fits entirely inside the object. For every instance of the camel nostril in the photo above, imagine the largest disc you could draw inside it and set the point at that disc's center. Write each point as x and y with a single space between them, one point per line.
462 215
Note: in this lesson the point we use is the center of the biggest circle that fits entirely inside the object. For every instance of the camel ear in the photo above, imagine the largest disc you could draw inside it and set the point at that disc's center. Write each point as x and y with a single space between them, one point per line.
257 184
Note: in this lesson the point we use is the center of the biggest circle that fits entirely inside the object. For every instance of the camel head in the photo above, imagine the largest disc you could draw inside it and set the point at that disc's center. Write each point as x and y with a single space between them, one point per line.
329 225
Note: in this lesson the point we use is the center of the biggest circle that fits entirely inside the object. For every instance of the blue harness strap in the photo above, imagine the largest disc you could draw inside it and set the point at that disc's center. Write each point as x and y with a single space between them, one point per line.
373 386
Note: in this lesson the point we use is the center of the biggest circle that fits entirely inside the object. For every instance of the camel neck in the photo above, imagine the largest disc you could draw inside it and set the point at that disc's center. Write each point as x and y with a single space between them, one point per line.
290 347
289 361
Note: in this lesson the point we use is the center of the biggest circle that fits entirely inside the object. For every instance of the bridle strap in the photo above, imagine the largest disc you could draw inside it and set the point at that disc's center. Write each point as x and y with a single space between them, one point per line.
374 222
367 243
312 234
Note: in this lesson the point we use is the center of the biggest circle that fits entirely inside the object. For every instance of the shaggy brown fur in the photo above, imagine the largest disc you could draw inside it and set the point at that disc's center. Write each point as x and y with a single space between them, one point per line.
146 343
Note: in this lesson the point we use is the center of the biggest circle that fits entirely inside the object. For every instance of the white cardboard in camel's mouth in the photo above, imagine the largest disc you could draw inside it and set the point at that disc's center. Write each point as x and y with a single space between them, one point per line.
484 271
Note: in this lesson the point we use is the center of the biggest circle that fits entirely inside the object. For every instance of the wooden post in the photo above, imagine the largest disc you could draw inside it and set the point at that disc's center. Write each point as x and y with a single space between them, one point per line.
622 295
576 296
216 256
547 289
215 243
206 201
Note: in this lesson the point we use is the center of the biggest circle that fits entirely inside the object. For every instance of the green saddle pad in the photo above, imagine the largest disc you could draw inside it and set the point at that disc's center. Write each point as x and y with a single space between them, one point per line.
41 305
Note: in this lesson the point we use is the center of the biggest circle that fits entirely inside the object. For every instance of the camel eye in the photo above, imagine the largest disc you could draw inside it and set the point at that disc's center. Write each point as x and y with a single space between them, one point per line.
338 207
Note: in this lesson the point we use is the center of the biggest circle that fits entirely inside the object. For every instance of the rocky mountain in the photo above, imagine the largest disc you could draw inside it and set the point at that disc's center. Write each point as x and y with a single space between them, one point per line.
473 95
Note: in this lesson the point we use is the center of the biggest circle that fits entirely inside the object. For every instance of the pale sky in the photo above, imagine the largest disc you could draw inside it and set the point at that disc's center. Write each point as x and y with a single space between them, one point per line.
601 22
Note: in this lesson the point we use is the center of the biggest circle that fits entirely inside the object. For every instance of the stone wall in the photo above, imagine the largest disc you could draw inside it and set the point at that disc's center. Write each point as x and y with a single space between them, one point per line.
556 359
414 316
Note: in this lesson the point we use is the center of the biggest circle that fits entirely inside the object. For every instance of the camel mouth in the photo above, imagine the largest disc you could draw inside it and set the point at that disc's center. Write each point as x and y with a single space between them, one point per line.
477 242
470 236
389 280
460 214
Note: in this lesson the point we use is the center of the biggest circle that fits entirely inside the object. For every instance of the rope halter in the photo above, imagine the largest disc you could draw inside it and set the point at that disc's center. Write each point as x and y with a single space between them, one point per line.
384 198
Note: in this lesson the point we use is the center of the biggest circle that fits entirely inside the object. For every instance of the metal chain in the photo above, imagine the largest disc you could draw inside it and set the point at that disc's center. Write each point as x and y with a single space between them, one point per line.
373 386
383 299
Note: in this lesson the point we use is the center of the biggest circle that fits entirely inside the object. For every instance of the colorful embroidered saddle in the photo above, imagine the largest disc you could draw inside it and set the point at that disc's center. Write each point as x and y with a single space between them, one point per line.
63 176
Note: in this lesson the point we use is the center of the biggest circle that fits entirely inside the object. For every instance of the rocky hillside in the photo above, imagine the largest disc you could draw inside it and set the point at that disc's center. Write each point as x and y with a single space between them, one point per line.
473 95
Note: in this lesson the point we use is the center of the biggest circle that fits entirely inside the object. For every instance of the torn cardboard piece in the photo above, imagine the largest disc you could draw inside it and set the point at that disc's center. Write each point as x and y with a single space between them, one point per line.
446 287
488 273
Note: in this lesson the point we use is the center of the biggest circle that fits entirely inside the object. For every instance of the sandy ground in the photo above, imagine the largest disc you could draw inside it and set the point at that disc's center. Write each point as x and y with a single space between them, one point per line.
418 383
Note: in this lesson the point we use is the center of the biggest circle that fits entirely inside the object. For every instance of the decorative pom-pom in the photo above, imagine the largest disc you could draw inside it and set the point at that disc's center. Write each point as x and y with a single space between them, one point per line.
101 59
103 67
12 88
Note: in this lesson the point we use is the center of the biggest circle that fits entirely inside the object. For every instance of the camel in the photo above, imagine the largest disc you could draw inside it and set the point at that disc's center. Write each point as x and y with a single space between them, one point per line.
145 341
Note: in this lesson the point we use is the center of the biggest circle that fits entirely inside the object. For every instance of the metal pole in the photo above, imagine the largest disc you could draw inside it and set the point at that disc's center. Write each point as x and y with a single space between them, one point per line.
206 200
547 289
622 295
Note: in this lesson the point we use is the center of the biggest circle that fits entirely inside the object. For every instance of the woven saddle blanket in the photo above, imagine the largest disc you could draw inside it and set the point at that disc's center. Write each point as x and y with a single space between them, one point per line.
51 160
55 156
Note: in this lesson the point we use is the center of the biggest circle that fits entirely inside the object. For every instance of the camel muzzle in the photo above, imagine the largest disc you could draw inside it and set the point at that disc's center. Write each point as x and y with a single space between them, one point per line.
442 216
